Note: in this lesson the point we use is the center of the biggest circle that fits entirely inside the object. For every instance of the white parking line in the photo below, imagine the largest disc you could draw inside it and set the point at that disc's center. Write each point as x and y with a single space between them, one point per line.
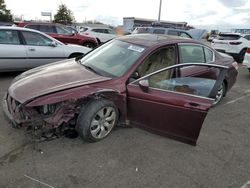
38 181
247 93
245 185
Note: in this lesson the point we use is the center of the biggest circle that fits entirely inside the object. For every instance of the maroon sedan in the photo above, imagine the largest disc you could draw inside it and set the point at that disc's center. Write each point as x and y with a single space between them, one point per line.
61 33
160 83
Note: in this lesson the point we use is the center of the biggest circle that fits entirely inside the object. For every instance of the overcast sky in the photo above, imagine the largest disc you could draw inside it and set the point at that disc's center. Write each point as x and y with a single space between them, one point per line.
202 13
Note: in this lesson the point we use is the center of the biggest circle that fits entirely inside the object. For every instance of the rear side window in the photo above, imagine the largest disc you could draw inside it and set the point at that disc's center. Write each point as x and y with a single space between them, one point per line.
159 31
171 32
229 37
191 54
36 27
209 55
9 37
46 28
247 37
99 30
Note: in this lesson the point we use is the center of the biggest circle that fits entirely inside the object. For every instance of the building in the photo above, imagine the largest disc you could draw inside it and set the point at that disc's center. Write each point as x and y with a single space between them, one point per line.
129 23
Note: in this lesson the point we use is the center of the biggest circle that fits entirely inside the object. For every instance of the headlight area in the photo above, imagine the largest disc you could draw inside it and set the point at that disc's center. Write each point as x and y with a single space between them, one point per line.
55 115
50 121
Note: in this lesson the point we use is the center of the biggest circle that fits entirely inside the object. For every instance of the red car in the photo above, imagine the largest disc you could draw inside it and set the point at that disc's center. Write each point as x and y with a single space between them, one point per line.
61 33
160 83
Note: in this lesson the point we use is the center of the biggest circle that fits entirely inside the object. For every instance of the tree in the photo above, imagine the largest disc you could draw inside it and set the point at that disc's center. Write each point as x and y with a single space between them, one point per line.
64 15
5 15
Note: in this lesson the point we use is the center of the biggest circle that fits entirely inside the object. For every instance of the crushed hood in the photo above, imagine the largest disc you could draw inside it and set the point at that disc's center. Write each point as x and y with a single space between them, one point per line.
51 78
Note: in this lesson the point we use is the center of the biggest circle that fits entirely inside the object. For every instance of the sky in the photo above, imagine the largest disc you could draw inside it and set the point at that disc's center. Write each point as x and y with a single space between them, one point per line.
213 14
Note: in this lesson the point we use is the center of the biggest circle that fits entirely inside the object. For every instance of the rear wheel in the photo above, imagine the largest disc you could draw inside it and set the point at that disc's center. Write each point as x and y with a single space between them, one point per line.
242 55
97 120
221 92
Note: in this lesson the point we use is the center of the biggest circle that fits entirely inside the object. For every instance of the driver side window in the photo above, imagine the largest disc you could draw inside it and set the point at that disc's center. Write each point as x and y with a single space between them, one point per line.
158 60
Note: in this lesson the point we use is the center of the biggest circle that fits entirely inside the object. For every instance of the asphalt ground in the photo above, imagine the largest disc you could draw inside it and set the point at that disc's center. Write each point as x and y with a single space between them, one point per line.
131 157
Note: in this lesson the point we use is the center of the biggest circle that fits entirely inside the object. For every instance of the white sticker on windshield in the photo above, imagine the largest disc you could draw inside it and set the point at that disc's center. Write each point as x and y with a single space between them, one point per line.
136 48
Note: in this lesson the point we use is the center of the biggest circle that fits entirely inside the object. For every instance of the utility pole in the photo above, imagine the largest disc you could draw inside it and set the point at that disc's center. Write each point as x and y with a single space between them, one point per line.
159 16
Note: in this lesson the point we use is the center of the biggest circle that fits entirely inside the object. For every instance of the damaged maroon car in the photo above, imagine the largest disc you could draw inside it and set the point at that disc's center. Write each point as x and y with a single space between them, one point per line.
160 83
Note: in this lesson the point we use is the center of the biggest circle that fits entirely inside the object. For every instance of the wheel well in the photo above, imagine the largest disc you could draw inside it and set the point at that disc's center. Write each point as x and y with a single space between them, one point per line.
226 86
75 55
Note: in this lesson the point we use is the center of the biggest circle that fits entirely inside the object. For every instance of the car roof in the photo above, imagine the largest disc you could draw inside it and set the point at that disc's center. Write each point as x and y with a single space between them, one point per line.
27 29
165 28
149 40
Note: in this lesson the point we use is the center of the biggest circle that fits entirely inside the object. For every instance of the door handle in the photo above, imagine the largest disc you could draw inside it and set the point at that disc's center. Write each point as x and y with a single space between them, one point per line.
191 105
32 49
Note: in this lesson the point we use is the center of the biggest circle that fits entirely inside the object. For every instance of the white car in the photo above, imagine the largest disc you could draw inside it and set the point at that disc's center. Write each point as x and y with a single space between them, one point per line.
246 60
22 49
100 33
234 44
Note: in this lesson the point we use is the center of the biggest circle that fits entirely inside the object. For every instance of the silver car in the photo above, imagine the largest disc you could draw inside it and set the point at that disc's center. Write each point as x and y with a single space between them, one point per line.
22 49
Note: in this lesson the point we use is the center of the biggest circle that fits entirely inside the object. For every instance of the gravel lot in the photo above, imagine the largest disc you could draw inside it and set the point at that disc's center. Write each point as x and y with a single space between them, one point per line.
131 157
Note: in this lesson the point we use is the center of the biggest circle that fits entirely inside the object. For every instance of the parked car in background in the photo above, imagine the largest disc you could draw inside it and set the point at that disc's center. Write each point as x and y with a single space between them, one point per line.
161 83
234 44
246 60
22 49
102 34
213 35
162 30
62 33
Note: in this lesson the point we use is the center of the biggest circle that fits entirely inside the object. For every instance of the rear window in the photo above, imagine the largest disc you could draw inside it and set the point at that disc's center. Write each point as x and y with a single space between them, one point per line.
228 37
36 27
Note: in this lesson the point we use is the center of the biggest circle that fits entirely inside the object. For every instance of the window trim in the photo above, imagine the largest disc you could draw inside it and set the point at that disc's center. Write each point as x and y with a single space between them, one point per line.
193 44
176 66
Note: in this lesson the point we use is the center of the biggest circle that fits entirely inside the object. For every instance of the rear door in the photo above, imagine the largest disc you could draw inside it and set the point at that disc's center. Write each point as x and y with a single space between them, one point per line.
39 49
169 104
12 51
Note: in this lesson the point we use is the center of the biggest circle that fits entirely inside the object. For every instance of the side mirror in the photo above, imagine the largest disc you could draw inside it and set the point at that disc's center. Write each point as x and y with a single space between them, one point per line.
53 44
144 85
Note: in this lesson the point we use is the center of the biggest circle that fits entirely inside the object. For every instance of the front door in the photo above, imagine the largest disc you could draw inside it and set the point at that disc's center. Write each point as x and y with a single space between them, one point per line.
169 104
40 50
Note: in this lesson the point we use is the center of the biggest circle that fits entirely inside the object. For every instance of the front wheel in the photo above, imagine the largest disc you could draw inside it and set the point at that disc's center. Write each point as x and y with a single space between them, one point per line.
97 120
89 45
221 92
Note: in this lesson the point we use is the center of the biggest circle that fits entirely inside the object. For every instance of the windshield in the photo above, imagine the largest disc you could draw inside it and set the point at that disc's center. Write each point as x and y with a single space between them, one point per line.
112 59
140 30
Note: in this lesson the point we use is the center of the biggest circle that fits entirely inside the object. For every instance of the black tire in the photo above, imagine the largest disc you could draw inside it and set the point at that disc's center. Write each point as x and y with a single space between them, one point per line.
99 42
242 55
92 129
75 55
220 95
89 45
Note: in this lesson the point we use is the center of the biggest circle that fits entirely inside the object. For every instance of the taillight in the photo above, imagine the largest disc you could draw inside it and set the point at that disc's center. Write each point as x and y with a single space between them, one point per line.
235 65
248 50
235 43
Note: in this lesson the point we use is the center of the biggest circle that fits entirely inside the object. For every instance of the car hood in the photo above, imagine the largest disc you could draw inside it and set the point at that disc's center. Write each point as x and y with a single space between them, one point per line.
73 48
51 78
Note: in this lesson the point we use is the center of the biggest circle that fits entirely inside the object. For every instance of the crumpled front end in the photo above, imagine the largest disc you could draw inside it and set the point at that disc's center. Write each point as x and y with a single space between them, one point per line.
43 119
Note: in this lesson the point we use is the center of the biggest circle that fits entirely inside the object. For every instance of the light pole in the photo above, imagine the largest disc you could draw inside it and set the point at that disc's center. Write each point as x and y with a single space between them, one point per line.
159 16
